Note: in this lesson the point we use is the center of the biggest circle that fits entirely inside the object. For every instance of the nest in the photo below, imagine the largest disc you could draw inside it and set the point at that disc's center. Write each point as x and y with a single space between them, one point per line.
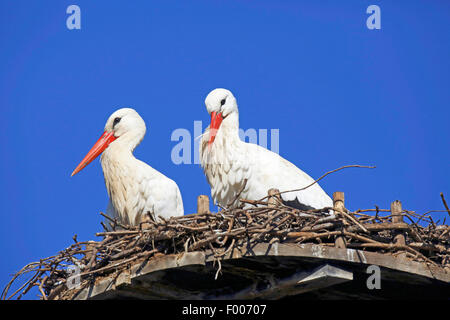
420 239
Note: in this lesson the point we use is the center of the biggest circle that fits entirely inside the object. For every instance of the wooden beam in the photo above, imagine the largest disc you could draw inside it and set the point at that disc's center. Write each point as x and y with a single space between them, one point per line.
202 204
274 197
339 204
381 226
397 217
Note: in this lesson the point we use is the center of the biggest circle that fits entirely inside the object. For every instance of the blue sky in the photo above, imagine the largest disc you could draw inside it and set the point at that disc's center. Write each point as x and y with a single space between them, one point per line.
338 92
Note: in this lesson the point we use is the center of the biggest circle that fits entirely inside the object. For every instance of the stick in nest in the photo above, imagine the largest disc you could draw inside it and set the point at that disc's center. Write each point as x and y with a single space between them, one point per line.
445 203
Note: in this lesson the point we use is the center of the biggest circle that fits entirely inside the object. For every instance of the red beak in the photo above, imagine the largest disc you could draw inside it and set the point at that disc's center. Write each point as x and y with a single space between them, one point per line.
96 150
216 120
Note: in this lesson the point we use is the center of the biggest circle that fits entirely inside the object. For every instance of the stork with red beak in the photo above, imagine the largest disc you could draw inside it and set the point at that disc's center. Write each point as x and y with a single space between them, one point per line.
228 162
135 189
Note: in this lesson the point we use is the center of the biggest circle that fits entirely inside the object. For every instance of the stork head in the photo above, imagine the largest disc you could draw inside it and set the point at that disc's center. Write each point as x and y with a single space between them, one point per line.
120 123
220 103
123 121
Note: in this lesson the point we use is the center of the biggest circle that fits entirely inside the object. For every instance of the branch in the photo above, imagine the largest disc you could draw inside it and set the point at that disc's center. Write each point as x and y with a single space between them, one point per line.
323 176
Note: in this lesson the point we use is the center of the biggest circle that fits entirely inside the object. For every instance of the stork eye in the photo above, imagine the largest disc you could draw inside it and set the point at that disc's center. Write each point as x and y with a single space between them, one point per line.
222 102
116 121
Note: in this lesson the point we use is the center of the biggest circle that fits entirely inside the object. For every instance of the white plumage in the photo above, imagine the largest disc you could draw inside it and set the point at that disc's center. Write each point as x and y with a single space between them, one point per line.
134 188
227 162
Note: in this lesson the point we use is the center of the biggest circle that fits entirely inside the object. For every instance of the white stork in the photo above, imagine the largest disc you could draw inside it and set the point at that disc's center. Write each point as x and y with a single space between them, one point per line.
228 162
135 189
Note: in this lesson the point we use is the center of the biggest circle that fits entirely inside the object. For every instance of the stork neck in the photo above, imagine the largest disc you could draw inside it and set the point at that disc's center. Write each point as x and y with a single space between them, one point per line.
230 126
126 142
132 139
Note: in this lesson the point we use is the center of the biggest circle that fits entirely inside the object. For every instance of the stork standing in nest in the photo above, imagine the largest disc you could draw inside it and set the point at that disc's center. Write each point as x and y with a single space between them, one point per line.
135 189
232 166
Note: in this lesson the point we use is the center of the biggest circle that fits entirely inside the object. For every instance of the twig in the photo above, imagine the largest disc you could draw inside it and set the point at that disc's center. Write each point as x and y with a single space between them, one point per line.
445 203
323 176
